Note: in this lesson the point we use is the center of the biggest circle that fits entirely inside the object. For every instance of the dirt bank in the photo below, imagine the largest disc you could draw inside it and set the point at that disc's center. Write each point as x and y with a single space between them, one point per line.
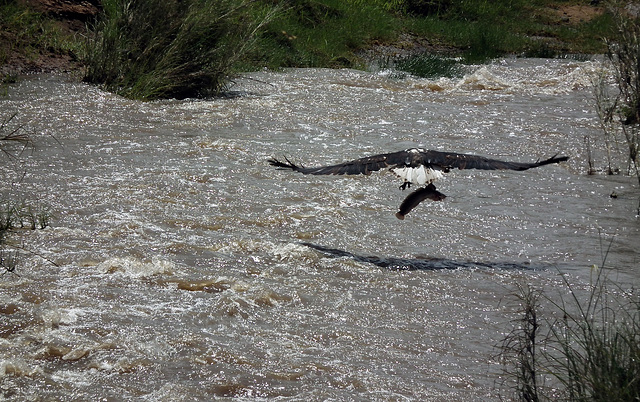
26 53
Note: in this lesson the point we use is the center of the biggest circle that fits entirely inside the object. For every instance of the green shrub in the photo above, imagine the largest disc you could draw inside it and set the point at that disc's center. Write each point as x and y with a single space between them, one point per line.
151 49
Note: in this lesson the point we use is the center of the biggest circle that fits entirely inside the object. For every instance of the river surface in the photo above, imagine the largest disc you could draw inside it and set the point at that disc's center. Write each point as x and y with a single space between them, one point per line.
178 265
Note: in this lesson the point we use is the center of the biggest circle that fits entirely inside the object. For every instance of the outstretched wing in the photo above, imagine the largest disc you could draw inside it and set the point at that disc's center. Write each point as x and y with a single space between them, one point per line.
413 158
359 166
451 160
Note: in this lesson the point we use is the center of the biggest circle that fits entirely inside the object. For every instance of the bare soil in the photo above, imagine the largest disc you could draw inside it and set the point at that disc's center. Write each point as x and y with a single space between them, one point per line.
575 14
70 17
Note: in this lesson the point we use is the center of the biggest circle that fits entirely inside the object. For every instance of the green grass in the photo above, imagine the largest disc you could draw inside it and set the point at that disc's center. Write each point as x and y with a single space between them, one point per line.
170 49
157 49
329 33
428 65
324 33
30 33
483 30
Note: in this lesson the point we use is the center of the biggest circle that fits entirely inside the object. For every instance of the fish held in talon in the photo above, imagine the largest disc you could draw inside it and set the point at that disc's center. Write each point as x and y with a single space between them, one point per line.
415 166
417 197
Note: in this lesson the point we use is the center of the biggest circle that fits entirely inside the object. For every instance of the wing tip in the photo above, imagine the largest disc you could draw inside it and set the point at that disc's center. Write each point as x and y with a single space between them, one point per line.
283 165
554 159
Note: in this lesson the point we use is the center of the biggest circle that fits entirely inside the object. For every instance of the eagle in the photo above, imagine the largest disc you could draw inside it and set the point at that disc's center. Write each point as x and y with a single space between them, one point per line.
415 166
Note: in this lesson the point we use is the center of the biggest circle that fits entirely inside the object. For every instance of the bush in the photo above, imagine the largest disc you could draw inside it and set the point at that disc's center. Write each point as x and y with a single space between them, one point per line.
152 49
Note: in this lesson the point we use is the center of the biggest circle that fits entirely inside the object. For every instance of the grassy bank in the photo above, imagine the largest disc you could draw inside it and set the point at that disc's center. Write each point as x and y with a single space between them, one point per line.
171 49
333 33
31 40
151 50
531 28
327 33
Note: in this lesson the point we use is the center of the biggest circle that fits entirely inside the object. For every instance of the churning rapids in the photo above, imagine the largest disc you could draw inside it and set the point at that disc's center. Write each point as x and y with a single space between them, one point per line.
180 266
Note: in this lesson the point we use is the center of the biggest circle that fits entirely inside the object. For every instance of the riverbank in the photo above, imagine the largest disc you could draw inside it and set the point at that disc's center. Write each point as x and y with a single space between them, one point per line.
48 36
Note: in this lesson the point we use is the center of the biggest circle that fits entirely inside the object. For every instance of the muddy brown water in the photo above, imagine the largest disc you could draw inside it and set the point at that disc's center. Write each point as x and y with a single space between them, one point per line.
189 269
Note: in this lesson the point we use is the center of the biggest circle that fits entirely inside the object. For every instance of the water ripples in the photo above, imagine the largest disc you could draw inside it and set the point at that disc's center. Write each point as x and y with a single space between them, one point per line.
187 269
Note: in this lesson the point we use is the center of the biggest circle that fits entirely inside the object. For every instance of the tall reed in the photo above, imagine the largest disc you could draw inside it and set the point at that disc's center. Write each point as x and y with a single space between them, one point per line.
13 133
580 347
619 110
520 348
151 49
15 138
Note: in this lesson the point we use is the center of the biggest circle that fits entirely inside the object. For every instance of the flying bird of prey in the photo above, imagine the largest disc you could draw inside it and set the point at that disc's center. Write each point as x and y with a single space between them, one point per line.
415 166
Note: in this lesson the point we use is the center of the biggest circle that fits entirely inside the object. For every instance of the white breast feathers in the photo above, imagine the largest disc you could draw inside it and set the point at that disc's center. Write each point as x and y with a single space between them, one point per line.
420 175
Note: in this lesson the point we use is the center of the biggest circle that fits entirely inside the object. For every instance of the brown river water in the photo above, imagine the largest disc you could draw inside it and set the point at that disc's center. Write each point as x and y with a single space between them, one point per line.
180 266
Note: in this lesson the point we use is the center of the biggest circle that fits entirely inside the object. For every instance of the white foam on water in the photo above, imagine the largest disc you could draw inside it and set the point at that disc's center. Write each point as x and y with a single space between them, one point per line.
513 76
135 268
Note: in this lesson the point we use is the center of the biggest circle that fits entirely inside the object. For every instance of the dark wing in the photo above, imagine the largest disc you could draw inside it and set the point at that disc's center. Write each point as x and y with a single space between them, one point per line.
359 166
414 158
417 197
450 160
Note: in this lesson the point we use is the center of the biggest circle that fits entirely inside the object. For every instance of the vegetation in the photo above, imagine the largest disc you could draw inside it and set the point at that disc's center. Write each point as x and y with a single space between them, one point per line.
23 215
150 49
427 65
326 33
619 112
170 49
584 348
12 133
14 140
332 33
31 34
519 349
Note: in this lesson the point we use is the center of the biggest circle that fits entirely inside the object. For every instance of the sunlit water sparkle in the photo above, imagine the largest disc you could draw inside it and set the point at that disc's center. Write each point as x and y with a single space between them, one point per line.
188 269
